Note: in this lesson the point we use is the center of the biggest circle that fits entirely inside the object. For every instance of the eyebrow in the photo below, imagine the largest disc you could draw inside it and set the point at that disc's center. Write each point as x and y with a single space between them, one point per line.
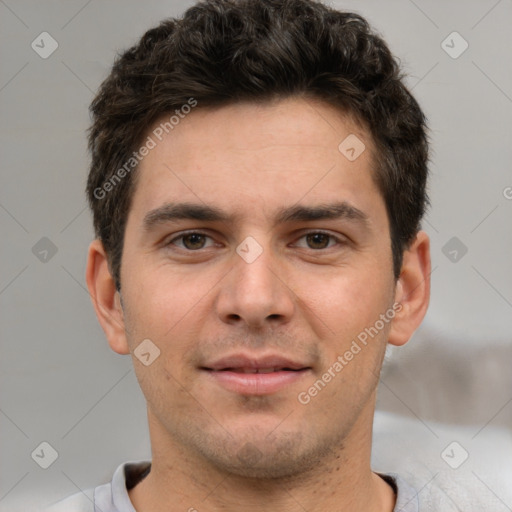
191 211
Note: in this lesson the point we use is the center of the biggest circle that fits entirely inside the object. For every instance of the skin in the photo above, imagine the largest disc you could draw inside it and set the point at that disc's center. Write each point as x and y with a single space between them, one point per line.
303 298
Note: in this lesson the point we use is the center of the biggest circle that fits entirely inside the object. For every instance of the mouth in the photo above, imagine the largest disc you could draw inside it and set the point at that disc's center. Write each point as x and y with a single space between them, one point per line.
258 370
247 375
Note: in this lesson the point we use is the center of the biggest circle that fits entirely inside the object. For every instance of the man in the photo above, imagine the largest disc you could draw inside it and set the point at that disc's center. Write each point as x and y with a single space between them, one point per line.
257 183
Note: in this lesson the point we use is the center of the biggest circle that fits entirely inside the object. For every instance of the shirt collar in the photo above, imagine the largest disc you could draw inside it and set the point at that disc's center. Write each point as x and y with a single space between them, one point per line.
129 474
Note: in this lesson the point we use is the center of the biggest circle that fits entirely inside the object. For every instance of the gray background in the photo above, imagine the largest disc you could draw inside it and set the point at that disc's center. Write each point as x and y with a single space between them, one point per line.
60 383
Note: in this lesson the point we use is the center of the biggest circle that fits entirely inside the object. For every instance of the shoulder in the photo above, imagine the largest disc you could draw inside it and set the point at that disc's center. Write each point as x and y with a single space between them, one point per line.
109 497
79 502
99 498
439 493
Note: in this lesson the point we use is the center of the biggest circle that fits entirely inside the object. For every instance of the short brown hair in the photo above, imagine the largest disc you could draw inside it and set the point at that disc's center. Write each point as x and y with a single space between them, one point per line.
226 51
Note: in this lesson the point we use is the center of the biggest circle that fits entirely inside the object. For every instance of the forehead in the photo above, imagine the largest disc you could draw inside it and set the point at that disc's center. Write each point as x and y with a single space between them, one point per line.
249 156
305 125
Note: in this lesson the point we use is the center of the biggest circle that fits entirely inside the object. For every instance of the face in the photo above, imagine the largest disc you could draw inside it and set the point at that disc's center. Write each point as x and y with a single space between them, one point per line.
255 256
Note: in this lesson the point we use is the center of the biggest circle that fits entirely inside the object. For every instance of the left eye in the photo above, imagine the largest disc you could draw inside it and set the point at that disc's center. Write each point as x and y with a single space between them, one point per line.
319 240
191 241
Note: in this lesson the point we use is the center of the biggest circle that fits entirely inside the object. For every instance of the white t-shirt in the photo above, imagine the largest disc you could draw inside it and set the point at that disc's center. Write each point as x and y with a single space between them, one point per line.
113 497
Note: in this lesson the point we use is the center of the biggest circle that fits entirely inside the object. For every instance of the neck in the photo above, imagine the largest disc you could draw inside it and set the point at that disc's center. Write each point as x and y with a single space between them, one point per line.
343 481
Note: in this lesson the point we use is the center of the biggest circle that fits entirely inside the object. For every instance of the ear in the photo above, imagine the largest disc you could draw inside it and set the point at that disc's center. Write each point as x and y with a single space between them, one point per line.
105 298
412 290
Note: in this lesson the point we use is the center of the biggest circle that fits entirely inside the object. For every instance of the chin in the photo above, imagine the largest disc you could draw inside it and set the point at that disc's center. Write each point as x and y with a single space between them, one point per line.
264 457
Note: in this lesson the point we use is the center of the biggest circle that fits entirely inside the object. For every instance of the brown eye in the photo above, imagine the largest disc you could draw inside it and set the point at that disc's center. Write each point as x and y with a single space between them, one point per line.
318 240
194 241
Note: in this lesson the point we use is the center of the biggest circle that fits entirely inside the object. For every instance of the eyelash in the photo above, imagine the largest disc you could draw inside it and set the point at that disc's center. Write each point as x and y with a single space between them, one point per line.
339 241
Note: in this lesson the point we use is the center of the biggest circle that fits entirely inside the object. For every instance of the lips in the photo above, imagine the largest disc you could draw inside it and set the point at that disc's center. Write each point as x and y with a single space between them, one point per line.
248 375
256 370
247 364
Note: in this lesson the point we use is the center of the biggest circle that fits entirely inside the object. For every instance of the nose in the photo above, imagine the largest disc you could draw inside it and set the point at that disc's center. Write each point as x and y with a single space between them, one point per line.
255 291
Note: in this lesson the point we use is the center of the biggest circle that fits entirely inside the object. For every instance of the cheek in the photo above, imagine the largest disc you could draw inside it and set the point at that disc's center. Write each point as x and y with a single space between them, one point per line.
344 301
162 387
170 309
352 347
164 299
